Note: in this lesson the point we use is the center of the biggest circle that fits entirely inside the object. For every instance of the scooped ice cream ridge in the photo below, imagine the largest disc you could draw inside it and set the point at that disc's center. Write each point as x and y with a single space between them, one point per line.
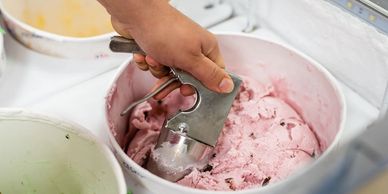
264 140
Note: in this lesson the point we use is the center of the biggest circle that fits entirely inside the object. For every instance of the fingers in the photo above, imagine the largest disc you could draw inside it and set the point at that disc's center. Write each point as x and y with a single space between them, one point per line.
147 63
187 90
158 70
152 61
210 74
210 68
140 62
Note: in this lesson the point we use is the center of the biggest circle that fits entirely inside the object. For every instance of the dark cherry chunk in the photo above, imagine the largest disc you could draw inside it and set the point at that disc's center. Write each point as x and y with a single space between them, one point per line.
266 181
207 168
228 180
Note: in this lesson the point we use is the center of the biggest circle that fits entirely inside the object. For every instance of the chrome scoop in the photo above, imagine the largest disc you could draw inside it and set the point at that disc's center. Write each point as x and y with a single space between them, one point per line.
186 140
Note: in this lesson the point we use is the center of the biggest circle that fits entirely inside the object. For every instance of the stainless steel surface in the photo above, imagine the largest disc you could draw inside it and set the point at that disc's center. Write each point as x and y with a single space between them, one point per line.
379 5
206 118
374 12
176 155
124 45
187 139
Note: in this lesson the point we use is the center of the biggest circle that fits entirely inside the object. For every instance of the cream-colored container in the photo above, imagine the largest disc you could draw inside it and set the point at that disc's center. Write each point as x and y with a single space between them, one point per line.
48 156
299 80
63 28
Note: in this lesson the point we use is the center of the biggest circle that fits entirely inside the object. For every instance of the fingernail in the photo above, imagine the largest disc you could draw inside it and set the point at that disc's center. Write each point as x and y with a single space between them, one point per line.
226 85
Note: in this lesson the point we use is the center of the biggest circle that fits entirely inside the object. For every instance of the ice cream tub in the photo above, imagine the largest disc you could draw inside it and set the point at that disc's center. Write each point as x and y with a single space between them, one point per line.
45 155
62 28
299 81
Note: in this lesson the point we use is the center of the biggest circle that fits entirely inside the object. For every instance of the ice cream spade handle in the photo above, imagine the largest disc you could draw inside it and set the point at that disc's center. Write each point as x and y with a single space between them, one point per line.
121 44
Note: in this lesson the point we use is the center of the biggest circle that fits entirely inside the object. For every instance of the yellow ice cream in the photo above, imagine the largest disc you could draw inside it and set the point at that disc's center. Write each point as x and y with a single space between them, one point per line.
75 18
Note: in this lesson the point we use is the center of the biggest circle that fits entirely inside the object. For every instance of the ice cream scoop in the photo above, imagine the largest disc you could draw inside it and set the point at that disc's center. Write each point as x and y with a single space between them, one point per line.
187 139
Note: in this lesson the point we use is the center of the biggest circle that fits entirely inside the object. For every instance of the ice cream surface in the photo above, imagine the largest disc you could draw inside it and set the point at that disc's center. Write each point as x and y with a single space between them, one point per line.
264 140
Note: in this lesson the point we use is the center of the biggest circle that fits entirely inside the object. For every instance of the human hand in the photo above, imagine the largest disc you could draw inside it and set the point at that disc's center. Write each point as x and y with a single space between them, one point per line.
170 39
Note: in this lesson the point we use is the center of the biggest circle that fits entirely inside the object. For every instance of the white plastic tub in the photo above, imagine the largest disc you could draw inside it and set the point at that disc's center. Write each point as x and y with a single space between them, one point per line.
47 156
41 25
304 84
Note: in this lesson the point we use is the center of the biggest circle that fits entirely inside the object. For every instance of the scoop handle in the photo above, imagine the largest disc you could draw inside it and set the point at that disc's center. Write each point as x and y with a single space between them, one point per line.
124 45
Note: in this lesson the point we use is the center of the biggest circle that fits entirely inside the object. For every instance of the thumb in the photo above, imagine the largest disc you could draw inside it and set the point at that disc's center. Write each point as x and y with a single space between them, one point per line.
211 75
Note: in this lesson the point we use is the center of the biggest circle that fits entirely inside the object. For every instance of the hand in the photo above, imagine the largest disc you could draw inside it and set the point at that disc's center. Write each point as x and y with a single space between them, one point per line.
170 38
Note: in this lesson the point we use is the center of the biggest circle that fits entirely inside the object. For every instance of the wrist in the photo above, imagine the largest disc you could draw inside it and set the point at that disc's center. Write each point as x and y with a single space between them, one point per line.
137 13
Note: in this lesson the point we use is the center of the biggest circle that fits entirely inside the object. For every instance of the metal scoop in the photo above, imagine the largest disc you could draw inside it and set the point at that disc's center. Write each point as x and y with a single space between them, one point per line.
186 140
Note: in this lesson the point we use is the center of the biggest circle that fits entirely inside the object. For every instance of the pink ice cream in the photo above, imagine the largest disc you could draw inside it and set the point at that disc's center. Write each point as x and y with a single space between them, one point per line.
264 140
